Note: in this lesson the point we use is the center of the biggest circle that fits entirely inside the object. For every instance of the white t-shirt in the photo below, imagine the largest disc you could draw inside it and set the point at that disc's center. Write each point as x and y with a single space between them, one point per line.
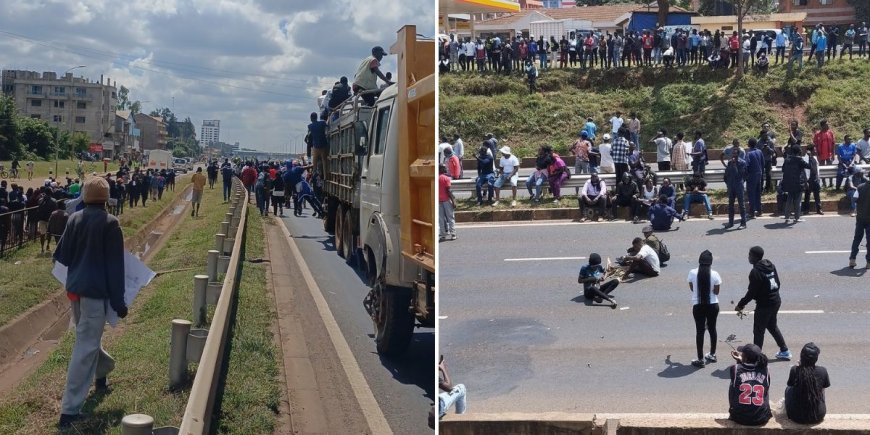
441 147
715 280
616 122
650 256
663 149
459 148
606 158
687 146
508 164
864 147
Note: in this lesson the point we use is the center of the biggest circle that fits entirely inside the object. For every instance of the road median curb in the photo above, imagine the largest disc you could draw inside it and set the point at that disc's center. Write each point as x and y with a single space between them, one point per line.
606 423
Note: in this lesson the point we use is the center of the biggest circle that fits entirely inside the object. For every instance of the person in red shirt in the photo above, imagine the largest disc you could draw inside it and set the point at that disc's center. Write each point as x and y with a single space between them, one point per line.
446 207
734 47
647 41
454 167
249 177
588 46
824 142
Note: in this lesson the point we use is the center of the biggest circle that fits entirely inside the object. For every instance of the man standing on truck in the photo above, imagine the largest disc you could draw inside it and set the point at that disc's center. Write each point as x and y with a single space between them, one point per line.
319 144
366 78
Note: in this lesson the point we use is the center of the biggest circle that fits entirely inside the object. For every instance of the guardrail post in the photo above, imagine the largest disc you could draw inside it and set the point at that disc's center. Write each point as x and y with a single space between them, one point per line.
178 353
211 265
219 242
223 263
137 424
213 292
200 283
225 226
195 344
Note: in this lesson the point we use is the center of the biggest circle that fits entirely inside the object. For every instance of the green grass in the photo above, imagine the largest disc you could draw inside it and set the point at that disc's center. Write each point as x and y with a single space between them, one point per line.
42 167
687 99
140 346
251 391
26 279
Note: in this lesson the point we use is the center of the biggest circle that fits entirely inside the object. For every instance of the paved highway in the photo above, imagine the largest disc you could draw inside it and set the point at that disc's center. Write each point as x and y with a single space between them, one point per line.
516 330
403 387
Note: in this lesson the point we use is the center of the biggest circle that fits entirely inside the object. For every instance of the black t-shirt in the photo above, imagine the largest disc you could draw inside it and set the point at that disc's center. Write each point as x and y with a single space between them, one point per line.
797 410
748 395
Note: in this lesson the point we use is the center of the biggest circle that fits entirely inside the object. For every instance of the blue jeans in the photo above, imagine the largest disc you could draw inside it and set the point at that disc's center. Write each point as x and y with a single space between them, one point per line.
537 180
227 188
853 203
447 399
696 197
488 180
861 230
543 56
736 194
635 137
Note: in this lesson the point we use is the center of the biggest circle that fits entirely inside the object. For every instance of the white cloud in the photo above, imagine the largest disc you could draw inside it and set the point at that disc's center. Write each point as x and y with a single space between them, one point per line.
257 65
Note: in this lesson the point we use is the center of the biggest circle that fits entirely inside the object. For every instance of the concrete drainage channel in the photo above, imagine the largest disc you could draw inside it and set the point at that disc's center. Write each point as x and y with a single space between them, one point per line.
26 341
191 342
553 423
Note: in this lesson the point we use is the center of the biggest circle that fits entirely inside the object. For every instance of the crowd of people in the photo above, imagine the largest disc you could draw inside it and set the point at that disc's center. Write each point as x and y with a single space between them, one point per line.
655 47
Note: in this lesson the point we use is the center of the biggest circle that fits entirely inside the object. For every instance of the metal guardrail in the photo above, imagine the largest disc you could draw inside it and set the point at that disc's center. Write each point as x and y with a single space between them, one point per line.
17 228
711 176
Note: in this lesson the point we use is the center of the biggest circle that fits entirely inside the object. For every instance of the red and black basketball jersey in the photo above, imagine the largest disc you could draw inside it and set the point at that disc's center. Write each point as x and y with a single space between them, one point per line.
748 395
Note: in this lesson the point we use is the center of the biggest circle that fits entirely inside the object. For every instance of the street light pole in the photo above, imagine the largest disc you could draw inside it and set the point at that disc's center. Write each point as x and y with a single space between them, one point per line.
57 140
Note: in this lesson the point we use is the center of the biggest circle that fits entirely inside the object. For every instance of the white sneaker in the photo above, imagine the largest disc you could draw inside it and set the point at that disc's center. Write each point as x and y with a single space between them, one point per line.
800 220
495 204
709 358
513 203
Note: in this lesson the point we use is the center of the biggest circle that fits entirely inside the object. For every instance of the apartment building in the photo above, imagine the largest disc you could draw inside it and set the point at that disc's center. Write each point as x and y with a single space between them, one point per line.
211 131
73 104
821 11
152 132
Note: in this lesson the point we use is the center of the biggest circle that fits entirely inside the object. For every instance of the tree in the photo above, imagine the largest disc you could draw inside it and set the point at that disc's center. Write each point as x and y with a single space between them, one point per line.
664 8
135 107
123 98
742 9
79 141
36 136
862 10
9 144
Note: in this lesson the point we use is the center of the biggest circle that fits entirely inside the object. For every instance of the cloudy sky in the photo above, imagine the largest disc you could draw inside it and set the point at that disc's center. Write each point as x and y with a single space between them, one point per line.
257 65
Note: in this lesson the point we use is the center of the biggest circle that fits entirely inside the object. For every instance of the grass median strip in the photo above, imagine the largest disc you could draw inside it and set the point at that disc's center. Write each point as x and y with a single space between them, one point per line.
140 345
26 279
251 389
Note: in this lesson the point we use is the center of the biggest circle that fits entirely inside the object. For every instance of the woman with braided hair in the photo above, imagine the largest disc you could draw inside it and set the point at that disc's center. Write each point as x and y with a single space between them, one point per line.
805 393
704 284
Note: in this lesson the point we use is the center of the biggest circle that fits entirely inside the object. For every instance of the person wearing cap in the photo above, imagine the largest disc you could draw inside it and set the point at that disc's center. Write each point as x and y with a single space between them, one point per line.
604 156
509 169
805 388
764 288
595 287
92 248
704 284
749 387
367 74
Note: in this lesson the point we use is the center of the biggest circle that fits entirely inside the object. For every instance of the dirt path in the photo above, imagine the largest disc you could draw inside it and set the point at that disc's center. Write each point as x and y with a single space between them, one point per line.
53 318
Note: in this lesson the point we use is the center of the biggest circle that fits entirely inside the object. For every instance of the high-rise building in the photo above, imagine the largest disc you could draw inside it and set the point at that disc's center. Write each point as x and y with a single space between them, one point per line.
211 132
68 103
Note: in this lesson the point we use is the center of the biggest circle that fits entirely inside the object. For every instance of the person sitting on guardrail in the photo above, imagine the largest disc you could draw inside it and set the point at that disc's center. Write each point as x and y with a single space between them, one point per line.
509 169
649 196
805 388
670 191
625 194
593 193
557 174
539 175
846 155
485 175
367 74
749 387
863 146
696 191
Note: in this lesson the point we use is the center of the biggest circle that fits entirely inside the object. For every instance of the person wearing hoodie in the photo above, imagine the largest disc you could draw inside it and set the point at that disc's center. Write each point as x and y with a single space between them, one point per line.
764 287
792 174
749 388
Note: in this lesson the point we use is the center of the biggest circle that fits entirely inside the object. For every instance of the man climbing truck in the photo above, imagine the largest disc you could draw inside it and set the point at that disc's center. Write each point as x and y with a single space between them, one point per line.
379 194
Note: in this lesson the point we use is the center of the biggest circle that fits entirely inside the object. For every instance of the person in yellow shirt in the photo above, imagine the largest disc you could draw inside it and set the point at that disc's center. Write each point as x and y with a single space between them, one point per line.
198 181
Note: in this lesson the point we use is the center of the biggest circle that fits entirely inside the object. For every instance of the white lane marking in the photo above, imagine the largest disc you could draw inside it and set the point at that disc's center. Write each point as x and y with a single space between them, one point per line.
831 252
781 312
442 317
544 258
373 414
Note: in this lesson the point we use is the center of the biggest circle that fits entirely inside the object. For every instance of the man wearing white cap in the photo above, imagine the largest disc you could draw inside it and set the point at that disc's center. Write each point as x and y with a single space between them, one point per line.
508 173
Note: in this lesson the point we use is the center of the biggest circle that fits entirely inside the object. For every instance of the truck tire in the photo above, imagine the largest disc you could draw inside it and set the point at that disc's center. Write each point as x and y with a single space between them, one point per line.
396 326
348 246
339 231
331 208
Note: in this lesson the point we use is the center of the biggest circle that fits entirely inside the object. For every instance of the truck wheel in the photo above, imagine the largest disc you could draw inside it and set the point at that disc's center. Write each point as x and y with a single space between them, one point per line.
394 323
348 246
339 232
329 222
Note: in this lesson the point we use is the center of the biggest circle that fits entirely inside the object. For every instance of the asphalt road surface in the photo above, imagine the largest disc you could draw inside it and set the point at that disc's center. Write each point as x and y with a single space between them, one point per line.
515 328
404 387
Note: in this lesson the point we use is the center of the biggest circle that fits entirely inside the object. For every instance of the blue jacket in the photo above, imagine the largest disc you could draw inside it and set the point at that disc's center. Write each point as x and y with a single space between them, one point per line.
735 174
754 163
661 215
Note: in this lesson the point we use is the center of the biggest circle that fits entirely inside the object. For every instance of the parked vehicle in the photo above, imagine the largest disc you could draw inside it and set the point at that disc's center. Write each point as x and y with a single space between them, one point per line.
159 160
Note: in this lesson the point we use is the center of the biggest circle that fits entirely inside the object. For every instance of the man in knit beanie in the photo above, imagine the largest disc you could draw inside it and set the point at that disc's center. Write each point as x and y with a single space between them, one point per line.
92 248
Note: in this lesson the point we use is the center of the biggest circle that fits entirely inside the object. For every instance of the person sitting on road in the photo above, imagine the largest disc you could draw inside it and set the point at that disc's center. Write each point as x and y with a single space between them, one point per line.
696 191
485 175
449 393
805 388
669 190
625 194
594 285
748 400
594 193
642 259
661 215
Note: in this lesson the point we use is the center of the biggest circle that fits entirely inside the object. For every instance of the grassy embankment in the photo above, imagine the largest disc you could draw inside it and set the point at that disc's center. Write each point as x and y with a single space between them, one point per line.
686 99
26 279
141 347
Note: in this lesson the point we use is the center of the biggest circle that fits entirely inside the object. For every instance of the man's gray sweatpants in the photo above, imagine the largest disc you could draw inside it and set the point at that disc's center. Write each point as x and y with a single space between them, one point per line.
88 360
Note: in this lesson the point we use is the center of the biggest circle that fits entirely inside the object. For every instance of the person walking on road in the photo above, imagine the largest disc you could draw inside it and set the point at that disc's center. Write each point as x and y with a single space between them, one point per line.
748 392
227 174
862 223
594 285
92 247
198 181
704 284
805 388
764 287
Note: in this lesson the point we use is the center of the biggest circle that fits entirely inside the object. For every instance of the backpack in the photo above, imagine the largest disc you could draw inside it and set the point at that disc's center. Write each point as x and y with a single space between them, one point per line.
664 253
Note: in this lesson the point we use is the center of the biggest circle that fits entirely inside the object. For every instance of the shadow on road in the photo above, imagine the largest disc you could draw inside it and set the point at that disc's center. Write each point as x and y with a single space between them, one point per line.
721 373
410 369
589 302
849 272
676 369
777 226
717 231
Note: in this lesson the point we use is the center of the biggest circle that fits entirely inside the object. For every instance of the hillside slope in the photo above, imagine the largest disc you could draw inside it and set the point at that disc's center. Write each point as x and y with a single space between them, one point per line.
687 99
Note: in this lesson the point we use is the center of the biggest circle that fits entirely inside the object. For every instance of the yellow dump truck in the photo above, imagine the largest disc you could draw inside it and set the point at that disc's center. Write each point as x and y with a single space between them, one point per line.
380 194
